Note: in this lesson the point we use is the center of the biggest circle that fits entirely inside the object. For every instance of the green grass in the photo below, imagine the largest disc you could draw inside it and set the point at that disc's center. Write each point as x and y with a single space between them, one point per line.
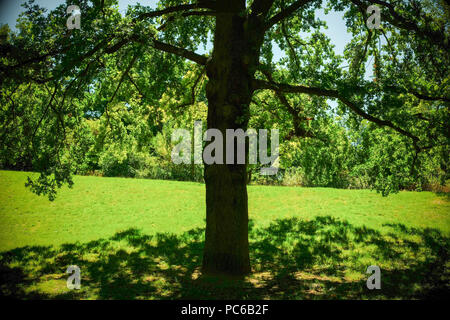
143 239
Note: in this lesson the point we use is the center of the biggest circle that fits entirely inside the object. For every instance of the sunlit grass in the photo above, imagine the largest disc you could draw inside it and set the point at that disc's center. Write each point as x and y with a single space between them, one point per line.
143 239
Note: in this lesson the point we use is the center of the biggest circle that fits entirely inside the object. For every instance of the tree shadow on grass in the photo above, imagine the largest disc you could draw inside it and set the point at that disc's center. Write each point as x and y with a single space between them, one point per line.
324 258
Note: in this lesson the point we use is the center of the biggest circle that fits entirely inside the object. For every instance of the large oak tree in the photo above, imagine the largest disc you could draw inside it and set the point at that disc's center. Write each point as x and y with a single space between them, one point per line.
409 94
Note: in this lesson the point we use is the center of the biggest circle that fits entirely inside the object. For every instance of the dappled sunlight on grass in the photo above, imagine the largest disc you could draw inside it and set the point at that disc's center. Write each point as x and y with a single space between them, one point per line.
305 243
323 258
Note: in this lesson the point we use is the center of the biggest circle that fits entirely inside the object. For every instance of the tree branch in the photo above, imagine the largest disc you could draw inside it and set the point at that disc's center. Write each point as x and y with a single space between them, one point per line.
399 21
198 58
296 119
283 14
186 14
277 87
261 7
135 85
179 8
101 47
194 87
43 114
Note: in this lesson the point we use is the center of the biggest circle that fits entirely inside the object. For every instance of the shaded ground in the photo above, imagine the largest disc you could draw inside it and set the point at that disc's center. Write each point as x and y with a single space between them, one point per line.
323 258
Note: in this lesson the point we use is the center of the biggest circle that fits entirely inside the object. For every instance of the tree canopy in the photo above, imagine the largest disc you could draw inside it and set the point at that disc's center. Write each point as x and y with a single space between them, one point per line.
75 99
52 77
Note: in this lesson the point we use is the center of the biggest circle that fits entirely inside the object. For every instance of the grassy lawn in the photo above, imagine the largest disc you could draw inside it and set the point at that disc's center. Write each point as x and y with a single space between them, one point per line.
143 239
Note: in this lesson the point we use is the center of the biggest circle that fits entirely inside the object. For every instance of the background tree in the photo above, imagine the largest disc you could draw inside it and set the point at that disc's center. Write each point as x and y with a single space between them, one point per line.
407 101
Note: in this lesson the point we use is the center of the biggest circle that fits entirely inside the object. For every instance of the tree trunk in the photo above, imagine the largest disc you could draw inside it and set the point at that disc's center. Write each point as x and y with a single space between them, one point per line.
230 72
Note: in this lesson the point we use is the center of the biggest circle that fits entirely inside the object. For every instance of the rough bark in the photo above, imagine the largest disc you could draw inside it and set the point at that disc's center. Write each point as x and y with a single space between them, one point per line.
229 90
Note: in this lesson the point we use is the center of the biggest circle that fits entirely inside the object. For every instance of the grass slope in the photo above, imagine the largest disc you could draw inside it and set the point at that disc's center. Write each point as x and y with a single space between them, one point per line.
143 239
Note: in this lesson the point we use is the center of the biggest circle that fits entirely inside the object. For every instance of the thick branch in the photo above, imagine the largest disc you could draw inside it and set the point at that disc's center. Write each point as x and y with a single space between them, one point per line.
101 47
283 14
187 14
277 87
261 7
198 58
179 8
296 119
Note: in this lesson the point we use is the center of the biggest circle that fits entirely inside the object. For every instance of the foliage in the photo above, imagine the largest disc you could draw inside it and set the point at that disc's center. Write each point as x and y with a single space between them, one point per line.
107 97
